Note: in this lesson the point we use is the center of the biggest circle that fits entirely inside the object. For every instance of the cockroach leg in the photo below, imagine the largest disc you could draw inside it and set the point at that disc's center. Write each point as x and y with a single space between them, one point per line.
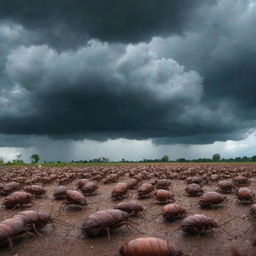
35 230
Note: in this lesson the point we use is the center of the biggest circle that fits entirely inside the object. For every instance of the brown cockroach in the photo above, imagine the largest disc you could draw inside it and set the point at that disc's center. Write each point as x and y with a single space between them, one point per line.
145 190
22 223
111 179
132 183
225 186
82 182
173 212
102 222
214 177
36 190
8 188
195 179
73 197
198 224
163 184
119 191
245 195
34 218
194 189
240 180
148 246
210 199
89 188
164 196
16 199
133 208
60 193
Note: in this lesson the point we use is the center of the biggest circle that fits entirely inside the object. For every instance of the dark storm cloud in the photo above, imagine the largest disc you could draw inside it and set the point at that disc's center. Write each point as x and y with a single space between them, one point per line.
65 22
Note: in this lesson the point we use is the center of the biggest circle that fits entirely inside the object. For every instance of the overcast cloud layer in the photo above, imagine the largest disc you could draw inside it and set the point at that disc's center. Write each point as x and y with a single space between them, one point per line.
163 72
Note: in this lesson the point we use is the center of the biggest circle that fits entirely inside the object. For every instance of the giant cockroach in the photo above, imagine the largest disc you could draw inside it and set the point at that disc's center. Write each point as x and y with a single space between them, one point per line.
148 246
17 199
195 179
21 224
132 183
60 193
145 190
8 188
82 182
36 190
133 208
194 189
73 197
173 212
211 199
89 188
200 224
226 186
163 196
163 184
102 222
245 195
120 191
240 180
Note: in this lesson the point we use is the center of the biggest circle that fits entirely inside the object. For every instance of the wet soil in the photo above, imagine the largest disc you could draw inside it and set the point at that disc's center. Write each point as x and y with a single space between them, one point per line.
66 238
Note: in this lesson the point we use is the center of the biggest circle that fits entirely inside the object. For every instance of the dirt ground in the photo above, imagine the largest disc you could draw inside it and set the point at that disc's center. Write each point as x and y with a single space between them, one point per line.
66 239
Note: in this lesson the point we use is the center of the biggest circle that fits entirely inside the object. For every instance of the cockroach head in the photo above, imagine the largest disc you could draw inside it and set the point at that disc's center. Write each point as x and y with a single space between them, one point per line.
125 214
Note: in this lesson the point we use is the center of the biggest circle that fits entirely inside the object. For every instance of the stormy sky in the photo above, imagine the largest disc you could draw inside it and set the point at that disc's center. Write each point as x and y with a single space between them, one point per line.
127 79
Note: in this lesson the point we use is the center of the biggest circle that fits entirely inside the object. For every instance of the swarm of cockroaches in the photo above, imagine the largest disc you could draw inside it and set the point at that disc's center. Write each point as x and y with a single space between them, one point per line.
148 180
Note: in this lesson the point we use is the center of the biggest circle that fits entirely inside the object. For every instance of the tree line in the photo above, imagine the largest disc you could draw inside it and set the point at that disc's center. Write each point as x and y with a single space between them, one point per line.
35 159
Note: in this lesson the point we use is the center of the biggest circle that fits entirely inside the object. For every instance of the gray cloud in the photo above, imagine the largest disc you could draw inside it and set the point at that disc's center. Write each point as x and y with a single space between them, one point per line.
99 91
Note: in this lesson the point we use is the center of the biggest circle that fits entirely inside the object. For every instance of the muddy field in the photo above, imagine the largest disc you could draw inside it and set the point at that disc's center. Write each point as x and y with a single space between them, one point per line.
66 239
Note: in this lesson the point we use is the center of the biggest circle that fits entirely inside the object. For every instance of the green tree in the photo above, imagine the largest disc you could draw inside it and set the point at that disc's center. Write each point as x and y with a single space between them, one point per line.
216 157
165 158
254 158
35 158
